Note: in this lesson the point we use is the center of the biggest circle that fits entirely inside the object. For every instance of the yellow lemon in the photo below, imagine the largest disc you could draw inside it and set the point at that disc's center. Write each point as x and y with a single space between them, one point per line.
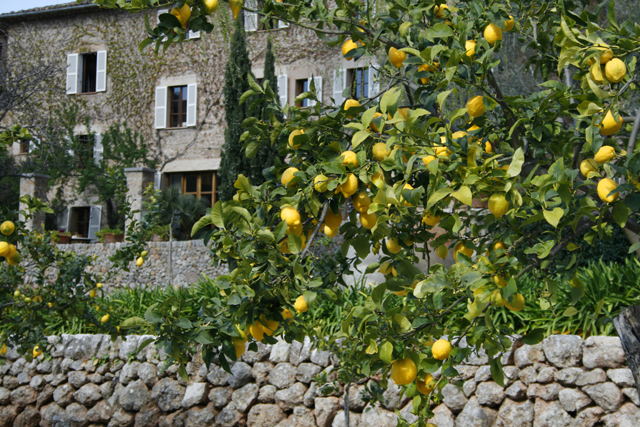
330 232
470 48
287 315
609 125
368 221
373 126
350 159
300 305
210 6
350 103
269 326
378 179
256 331
3 350
442 251
11 251
380 151
240 349
293 135
393 245
430 220
397 57
441 349
589 166
104 319
475 106
36 351
492 33
350 187
7 228
361 202
499 245
496 298
518 303
348 46
92 293
439 9
615 70
596 74
428 159
291 216
320 183
4 248
499 281
403 371
427 68
606 55
606 186
604 154
236 7
498 204
183 14
140 261
287 176
508 25
460 247
488 148
387 268
333 220
426 386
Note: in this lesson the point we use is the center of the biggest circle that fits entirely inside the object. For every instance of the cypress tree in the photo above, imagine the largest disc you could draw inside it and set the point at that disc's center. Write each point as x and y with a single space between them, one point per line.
265 157
234 161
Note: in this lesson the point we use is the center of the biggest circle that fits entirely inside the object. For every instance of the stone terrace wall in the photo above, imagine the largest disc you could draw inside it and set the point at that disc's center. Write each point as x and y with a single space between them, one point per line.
563 381
190 259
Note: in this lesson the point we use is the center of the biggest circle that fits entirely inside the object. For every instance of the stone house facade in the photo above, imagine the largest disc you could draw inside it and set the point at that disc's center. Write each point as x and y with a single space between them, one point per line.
174 100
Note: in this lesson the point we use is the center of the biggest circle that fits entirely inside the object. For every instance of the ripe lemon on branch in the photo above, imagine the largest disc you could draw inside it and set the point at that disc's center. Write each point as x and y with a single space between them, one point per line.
609 125
403 371
396 57
475 107
236 6
183 14
498 204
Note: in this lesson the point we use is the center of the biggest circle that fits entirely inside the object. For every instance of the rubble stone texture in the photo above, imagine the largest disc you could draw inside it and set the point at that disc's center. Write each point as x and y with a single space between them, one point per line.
563 381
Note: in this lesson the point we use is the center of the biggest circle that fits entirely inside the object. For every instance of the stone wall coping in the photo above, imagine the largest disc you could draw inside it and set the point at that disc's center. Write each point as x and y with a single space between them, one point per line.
35 175
139 169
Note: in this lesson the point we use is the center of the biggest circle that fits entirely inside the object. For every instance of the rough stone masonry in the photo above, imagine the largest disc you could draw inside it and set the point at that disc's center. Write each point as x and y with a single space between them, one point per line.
563 381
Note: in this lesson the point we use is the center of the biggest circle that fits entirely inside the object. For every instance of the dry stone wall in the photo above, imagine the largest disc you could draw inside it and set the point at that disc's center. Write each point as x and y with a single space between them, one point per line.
190 258
564 381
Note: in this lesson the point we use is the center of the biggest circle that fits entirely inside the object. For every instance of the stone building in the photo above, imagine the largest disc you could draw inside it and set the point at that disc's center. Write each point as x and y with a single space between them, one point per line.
174 100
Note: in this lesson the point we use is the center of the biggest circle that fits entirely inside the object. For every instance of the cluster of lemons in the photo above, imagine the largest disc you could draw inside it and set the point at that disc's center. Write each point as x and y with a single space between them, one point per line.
263 326
608 69
9 250
140 259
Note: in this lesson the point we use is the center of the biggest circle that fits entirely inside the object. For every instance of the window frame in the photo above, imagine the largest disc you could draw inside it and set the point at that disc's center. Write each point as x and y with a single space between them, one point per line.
198 193
305 88
75 211
184 93
86 76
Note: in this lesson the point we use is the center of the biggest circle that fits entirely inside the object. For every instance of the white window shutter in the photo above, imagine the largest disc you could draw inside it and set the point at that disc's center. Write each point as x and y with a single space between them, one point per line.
161 107
283 89
317 81
339 84
283 24
250 18
374 83
95 217
192 104
193 35
63 219
157 181
97 148
101 71
72 73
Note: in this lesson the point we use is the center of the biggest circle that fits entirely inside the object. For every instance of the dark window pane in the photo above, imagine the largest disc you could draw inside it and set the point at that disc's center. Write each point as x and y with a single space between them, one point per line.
207 198
89 68
175 181
191 183
207 183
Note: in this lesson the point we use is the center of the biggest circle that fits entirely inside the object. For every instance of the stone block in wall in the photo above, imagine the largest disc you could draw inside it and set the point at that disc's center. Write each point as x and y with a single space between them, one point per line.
483 373
240 375
77 378
195 394
76 414
23 378
88 395
148 416
168 394
199 416
632 394
489 394
568 376
267 394
469 388
260 355
23 396
148 373
550 414
326 409
310 395
528 375
291 397
591 377
48 413
563 351
134 396
628 415
280 352
546 375
121 418
527 355
300 352
622 377
306 372
374 415
101 412
245 397
603 352
454 398
260 372
320 358
475 415
515 414
340 421
573 399
265 415
220 396
283 375
606 395
301 417
355 398
547 392
29 417
588 417
217 376
516 391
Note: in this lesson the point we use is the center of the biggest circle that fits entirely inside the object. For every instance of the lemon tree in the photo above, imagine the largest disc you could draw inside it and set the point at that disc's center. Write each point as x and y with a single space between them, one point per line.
424 157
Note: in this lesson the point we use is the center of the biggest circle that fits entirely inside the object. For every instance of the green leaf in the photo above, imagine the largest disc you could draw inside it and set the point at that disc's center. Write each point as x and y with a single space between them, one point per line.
553 217
402 323
386 352
246 95
442 96
361 245
143 344
183 373
570 311
464 195
216 214
516 163
439 30
184 323
133 322
496 371
634 247
533 337
373 347
389 98
294 243
620 214
202 222
566 30
437 196
359 137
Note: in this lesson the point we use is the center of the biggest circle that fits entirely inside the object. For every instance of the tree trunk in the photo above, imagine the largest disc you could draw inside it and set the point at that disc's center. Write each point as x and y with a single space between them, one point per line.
112 218
627 323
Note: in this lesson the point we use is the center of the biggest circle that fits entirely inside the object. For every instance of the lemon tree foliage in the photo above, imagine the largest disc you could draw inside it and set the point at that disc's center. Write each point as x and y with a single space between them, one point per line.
404 175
